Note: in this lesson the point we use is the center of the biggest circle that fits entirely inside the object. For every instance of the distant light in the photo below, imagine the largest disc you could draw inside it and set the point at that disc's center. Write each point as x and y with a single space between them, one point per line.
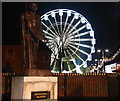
65 71
76 15
69 12
53 14
96 59
61 12
106 50
98 50
101 59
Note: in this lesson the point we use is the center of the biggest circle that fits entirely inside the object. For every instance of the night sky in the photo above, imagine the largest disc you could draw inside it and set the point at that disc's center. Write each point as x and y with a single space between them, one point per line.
104 18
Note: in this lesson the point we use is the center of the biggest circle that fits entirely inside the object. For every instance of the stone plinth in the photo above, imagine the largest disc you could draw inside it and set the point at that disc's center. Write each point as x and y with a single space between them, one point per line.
23 86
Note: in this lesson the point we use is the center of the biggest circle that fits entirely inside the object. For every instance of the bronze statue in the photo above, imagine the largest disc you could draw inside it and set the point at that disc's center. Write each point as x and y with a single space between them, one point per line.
31 34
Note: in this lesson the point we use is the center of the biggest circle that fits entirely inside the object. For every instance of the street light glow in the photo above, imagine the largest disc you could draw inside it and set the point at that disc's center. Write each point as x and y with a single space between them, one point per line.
106 50
98 50
96 59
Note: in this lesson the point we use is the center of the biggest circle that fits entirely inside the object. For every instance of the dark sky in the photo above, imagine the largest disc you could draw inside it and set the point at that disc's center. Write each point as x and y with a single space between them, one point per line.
104 18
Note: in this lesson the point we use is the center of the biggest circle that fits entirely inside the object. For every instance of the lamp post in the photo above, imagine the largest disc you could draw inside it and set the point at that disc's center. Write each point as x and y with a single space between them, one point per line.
103 56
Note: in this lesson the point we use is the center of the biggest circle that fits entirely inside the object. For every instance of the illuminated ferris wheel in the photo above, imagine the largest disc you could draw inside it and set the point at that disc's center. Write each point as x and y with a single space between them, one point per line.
70 38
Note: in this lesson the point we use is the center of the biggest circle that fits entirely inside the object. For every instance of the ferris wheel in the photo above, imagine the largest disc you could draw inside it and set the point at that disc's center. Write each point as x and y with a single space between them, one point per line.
70 38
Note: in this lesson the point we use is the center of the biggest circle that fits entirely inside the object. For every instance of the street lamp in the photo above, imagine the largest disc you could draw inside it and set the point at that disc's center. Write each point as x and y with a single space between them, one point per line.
103 56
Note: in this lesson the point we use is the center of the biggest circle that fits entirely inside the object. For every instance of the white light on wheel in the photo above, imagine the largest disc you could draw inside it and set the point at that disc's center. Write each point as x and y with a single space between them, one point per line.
69 12
91 33
93 41
88 26
53 14
93 49
46 17
83 20
61 12
76 15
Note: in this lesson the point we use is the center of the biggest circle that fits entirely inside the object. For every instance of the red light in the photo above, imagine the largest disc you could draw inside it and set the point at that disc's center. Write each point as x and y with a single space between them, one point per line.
118 68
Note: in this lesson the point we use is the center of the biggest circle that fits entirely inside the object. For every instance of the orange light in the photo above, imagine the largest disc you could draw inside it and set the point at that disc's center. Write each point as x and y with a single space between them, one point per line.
118 68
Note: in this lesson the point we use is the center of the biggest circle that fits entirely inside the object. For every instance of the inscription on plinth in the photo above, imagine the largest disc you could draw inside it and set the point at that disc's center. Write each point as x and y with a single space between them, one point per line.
40 95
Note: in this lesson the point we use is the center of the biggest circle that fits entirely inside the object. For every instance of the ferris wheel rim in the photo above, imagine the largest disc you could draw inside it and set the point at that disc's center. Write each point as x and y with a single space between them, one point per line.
86 24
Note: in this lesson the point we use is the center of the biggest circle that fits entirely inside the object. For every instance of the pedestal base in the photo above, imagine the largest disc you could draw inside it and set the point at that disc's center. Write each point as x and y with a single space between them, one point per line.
22 87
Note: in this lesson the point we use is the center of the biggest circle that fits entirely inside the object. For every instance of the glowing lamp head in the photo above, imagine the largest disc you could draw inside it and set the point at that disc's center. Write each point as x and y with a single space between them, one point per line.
93 41
96 59
92 33
69 12
83 20
46 17
53 14
76 15
93 49
106 50
89 58
98 50
61 12
88 26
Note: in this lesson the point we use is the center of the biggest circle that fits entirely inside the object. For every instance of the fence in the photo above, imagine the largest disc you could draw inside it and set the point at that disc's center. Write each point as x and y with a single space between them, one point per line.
88 85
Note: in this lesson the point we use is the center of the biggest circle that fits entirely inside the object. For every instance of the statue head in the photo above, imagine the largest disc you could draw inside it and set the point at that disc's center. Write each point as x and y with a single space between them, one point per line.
33 6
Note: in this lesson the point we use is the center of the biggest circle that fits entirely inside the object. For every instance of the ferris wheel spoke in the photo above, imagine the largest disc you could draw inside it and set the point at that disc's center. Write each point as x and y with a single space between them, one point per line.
67 61
53 27
65 23
79 50
54 64
84 52
70 24
76 31
76 54
49 29
50 45
57 26
50 41
82 45
61 24
71 57
50 35
80 34
74 62
81 39
74 27
70 54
